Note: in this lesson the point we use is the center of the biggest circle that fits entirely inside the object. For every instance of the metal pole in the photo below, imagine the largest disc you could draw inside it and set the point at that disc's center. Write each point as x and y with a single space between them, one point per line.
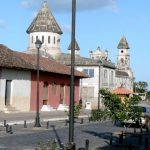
71 110
37 119
99 89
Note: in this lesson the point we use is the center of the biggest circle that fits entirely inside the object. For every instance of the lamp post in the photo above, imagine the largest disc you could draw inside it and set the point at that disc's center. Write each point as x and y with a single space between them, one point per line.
99 82
38 45
71 108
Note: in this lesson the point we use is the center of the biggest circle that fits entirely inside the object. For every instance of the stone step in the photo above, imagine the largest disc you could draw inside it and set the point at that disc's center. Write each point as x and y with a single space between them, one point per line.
47 108
63 107
10 109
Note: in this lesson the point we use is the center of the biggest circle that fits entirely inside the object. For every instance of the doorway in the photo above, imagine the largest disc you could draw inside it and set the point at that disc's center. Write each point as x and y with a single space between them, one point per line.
8 92
62 94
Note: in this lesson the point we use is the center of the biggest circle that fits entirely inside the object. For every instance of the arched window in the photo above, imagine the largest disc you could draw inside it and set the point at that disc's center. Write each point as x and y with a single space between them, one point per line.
54 40
42 39
32 39
49 39
54 88
105 74
111 78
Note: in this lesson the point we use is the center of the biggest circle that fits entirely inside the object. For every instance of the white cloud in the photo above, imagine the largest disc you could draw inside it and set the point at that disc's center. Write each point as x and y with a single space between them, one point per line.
26 4
65 5
2 24
30 3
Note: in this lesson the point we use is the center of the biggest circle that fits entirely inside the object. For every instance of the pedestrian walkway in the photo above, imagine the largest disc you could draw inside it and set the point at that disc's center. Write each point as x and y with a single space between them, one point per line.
29 117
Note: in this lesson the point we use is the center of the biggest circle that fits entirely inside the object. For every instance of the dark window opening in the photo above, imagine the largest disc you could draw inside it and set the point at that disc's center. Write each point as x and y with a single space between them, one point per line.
8 92
45 88
49 39
54 40
54 88
42 39
32 39
89 72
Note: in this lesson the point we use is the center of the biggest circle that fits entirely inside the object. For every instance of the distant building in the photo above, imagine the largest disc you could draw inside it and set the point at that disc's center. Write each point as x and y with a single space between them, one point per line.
123 93
99 54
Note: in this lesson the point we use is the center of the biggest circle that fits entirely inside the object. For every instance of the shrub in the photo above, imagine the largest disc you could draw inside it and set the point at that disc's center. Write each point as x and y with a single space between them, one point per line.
77 110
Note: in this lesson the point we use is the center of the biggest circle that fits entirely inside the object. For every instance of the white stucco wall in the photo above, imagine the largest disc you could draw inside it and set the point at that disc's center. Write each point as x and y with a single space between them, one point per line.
52 48
94 81
20 88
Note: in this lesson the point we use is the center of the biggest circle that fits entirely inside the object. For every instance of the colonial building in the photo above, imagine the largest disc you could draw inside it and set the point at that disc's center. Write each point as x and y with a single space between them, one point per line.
18 82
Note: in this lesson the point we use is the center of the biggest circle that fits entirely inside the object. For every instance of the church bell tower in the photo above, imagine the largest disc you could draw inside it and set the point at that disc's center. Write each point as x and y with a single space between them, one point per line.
123 61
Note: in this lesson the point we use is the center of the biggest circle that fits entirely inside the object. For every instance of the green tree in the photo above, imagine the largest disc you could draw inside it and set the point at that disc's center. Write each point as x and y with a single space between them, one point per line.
116 108
148 95
140 87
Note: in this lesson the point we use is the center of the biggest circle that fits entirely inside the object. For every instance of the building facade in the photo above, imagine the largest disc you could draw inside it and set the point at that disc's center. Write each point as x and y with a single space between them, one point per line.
18 82
101 72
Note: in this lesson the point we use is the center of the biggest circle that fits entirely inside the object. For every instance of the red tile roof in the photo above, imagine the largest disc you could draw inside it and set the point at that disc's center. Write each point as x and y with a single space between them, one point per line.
19 60
121 91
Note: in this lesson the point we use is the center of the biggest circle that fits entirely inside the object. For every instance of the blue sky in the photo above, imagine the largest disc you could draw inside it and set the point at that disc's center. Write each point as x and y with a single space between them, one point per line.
98 23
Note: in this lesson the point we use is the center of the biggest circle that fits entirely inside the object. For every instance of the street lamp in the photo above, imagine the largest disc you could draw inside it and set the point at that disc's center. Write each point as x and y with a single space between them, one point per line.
71 108
99 83
38 45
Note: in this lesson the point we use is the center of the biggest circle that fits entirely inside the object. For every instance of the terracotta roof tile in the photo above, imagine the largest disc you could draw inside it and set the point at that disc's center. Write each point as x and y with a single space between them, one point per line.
12 59
122 91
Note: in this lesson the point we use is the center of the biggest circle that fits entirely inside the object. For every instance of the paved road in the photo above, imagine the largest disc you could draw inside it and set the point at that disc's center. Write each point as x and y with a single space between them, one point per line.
26 139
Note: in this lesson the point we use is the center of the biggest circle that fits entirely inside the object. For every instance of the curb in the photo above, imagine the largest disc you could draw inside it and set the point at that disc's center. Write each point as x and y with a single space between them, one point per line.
28 121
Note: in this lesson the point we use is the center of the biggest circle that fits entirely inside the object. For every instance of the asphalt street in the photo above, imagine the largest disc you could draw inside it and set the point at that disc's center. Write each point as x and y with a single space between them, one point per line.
98 135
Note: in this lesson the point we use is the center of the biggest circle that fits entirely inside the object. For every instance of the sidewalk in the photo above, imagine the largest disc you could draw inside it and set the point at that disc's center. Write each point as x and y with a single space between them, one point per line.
20 117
